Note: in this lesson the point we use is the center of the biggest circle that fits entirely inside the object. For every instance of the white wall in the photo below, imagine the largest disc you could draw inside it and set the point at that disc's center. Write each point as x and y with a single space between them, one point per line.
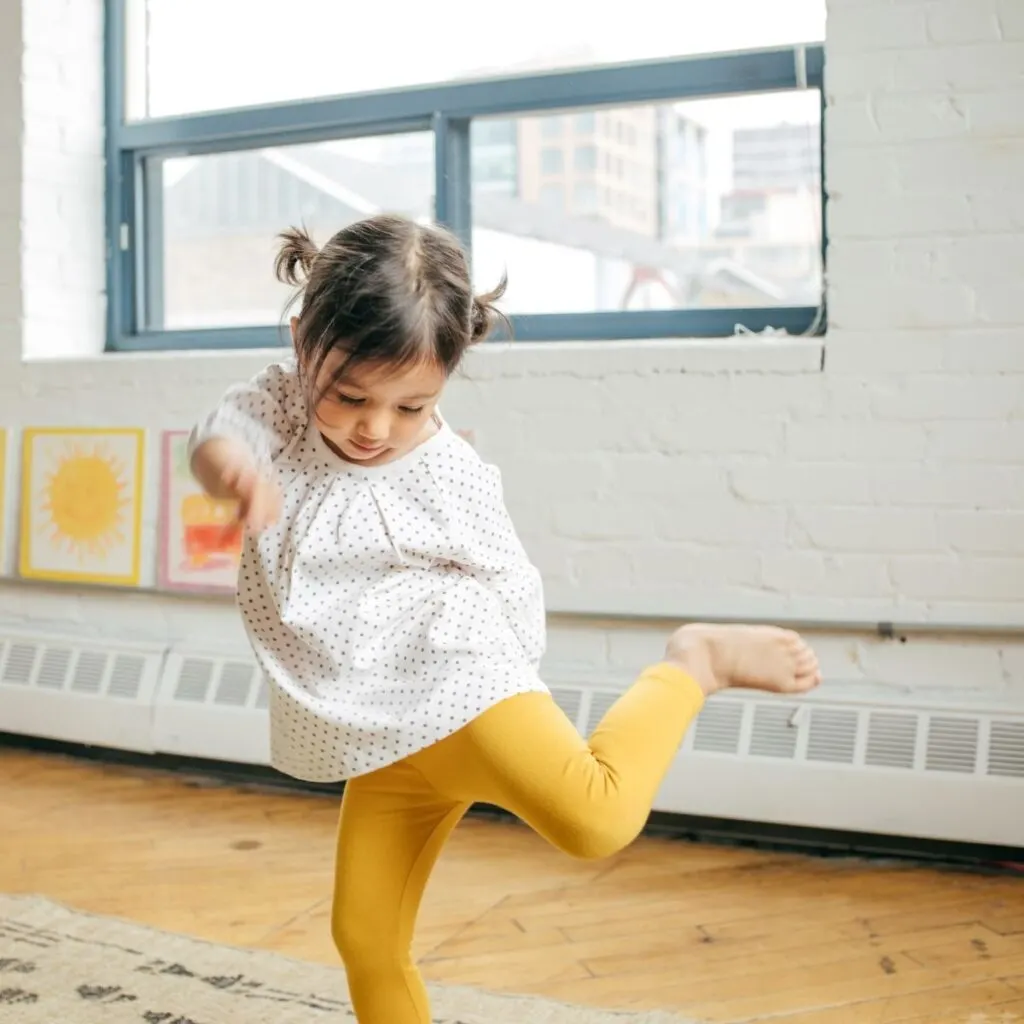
676 478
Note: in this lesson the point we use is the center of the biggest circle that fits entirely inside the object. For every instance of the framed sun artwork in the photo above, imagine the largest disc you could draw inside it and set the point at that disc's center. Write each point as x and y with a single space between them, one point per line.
200 538
81 505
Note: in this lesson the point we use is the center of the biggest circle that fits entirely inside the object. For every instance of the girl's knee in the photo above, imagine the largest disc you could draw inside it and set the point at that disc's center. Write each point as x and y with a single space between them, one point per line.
347 935
357 934
595 837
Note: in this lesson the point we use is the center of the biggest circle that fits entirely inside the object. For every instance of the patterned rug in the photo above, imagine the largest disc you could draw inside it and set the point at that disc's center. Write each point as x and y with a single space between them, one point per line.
58 966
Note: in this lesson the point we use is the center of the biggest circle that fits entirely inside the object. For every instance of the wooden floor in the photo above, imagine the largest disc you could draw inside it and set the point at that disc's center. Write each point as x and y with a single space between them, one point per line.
724 935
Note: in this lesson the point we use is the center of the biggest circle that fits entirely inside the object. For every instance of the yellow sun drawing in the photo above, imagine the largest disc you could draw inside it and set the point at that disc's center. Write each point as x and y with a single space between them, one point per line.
85 498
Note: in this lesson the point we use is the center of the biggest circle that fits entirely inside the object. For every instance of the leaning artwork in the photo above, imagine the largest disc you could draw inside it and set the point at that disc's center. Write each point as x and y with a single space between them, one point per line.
200 539
81 505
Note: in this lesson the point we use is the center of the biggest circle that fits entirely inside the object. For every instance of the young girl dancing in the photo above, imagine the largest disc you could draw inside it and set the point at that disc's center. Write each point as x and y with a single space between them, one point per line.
396 615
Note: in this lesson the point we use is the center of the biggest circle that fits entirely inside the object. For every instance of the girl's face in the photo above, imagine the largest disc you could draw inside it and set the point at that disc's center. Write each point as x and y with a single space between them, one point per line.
375 414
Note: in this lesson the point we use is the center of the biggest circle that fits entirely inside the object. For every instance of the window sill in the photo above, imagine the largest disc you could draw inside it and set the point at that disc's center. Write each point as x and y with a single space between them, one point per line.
748 354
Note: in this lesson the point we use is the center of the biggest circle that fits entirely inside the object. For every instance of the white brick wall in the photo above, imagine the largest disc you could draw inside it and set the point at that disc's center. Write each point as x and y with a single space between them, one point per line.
11 130
62 188
726 479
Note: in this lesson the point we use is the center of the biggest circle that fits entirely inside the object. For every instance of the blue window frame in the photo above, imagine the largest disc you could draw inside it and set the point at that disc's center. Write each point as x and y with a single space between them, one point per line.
136 150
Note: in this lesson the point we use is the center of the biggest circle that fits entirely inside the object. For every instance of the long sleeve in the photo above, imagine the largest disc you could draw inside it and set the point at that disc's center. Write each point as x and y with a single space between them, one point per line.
265 413
494 555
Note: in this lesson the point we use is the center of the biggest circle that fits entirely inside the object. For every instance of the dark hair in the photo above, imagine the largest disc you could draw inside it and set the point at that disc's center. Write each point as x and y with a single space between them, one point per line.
384 290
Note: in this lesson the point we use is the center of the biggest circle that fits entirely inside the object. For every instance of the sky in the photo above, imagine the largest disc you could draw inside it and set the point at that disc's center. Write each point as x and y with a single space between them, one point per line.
209 54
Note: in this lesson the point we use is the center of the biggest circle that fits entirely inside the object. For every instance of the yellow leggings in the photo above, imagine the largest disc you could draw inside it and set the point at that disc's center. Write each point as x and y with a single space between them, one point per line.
588 799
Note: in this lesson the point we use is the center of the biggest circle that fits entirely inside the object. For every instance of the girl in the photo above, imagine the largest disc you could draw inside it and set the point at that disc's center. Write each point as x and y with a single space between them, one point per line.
396 614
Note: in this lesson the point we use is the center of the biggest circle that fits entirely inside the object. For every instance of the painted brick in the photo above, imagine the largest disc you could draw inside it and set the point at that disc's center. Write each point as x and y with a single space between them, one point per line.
558 434
997 212
858 74
981 257
658 477
971 485
986 533
602 568
634 649
797 396
857 353
919 118
550 394
857 30
959 69
999 304
830 575
1011 657
881 442
531 477
716 434
949 396
577 648
902 304
690 568
608 519
995 442
891 530
958 166
859 214
851 167
947 577
866 257
996 114
721 523
1011 19
824 482
943 666
964 21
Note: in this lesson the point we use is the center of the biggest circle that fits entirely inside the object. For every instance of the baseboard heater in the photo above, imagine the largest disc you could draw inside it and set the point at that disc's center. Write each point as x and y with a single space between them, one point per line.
832 761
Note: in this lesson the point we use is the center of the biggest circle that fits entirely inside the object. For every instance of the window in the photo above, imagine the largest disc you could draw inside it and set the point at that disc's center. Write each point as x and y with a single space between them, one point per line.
494 132
552 127
205 168
682 220
552 161
585 158
585 123
584 198
552 197
494 153
220 212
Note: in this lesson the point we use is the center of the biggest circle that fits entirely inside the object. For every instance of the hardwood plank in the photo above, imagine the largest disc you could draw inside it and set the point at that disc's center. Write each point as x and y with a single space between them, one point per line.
958 1006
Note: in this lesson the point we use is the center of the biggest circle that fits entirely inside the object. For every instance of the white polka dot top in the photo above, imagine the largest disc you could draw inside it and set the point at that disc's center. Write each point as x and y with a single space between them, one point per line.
391 605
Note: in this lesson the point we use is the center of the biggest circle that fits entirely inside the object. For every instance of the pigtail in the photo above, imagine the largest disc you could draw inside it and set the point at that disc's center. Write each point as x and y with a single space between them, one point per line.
295 256
485 315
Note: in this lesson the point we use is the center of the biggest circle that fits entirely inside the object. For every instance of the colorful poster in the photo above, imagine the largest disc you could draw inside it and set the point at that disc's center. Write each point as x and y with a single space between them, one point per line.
81 505
200 539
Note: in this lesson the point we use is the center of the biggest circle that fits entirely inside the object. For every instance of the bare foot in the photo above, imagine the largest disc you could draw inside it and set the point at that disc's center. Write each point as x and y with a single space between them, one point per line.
758 657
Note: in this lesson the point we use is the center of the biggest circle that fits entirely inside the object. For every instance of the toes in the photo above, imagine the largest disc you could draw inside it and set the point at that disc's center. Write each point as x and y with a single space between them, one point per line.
806 659
807 670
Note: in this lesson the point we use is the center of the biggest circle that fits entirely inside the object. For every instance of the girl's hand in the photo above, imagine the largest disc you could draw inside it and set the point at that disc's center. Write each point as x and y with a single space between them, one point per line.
227 470
259 499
